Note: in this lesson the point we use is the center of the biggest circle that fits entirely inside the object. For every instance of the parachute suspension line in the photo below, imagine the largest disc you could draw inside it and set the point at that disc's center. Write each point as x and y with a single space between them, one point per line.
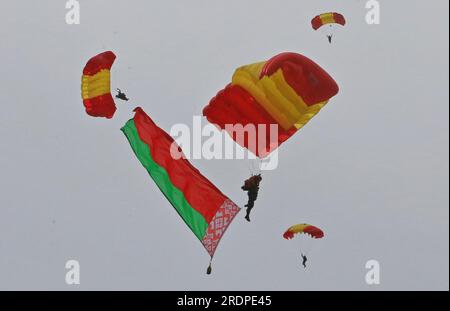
307 245
302 248
329 32
256 165
250 168
259 163
254 168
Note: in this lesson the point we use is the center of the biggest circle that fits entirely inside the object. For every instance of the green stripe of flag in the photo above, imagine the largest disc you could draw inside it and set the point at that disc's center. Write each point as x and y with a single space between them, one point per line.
193 219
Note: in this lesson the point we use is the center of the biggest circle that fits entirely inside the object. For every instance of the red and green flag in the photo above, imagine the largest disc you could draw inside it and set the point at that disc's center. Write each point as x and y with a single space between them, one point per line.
203 207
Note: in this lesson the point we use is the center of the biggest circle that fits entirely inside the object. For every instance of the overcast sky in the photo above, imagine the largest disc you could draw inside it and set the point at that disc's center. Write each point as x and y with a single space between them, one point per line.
371 169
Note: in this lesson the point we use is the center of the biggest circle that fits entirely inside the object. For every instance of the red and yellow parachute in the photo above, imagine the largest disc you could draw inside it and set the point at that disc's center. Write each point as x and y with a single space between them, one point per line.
96 86
314 232
328 18
287 91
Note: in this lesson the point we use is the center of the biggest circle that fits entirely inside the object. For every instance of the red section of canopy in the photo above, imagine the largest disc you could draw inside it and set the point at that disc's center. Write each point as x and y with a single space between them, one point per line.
316 22
288 235
99 62
314 232
234 105
200 193
339 19
100 106
307 78
311 230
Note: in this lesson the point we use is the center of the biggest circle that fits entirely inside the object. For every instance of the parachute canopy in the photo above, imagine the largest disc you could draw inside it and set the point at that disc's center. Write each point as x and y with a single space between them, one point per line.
202 206
286 91
313 231
96 88
327 18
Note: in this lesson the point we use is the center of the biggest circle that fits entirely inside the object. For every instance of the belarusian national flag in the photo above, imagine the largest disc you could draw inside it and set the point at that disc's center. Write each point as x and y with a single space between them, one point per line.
204 208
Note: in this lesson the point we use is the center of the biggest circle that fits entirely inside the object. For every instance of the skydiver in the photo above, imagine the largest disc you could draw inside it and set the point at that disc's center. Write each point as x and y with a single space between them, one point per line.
304 260
251 185
330 38
121 95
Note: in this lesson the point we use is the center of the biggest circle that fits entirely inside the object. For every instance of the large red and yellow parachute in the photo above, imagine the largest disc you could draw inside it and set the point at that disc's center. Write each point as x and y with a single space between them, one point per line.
314 232
287 91
327 18
96 86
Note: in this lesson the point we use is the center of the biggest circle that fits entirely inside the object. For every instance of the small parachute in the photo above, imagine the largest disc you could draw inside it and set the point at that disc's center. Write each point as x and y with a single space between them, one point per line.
314 232
308 233
96 86
330 19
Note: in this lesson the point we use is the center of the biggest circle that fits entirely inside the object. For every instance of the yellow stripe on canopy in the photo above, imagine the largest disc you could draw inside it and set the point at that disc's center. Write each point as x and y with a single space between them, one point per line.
96 85
309 114
327 18
276 96
298 228
247 77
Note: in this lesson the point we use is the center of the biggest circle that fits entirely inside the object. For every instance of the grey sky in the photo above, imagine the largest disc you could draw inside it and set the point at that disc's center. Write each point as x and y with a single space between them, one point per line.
371 168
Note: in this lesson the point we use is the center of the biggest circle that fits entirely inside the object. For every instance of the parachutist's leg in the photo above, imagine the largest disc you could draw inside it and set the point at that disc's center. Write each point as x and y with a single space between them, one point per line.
247 216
